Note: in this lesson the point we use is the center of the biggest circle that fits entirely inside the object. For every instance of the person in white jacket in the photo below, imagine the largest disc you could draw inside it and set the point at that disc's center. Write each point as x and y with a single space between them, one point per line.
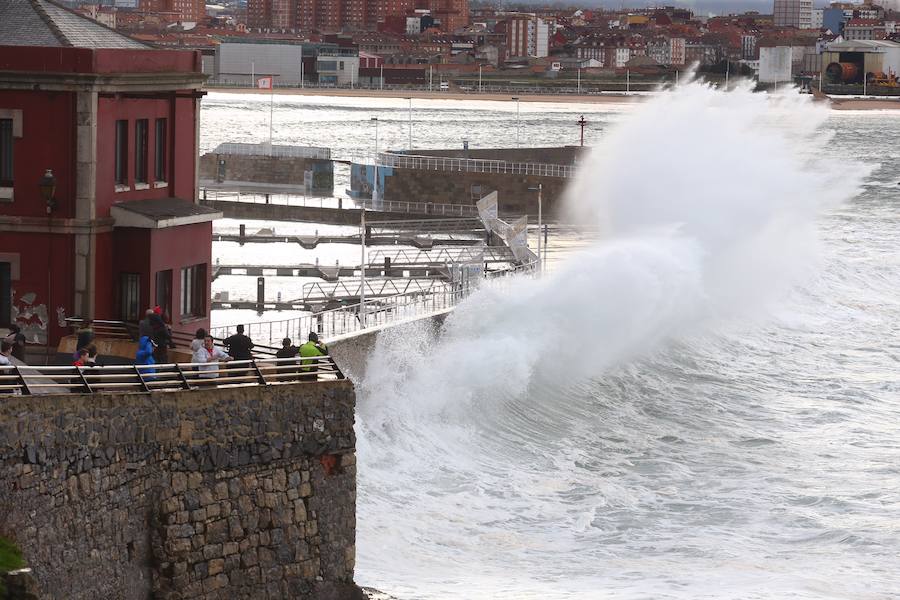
207 357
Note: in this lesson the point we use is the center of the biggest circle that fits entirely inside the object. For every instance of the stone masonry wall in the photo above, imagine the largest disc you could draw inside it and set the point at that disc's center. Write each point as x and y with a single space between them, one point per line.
267 169
445 187
232 493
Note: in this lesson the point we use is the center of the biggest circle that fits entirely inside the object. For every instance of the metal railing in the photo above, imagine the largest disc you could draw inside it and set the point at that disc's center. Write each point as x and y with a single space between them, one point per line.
470 86
308 201
378 312
124 330
441 256
104 329
317 291
423 208
32 380
473 165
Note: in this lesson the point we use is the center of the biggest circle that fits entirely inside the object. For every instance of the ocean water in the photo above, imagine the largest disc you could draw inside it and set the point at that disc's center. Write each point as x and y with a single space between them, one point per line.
702 404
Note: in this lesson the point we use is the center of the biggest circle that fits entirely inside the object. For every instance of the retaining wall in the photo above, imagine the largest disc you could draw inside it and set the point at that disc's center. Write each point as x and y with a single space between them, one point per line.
229 493
447 187
268 169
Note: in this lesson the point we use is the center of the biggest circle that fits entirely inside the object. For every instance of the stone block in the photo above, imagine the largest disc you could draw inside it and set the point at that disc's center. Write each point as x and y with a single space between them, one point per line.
179 483
216 566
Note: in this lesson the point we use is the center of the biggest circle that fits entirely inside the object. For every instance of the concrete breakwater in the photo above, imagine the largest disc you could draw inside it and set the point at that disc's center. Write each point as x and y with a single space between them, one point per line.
245 492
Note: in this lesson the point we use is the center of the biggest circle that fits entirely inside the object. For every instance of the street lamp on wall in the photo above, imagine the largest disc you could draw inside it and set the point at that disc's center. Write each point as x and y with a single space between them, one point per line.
47 185
48 189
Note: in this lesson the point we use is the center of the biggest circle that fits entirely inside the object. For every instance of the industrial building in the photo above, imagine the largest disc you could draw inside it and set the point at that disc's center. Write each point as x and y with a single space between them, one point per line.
241 61
872 63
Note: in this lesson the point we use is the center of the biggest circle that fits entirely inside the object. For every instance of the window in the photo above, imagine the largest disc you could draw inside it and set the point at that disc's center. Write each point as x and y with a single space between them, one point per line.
122 152
140 151
6 152
164 292
193 291
129 296
160 158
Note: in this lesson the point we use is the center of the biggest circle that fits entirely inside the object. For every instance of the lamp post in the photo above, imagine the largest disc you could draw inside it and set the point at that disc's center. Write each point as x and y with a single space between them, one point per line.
410 121
479 78
539 189
362 237
47 186
516 98
48 189
375 185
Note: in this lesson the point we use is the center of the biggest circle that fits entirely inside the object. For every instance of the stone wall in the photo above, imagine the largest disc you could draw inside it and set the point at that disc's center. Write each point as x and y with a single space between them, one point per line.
231 493
445 187
275 170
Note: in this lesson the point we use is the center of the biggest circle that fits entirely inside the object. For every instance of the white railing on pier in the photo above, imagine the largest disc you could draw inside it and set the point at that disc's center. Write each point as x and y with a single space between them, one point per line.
442 256
302 200
379 312
473 165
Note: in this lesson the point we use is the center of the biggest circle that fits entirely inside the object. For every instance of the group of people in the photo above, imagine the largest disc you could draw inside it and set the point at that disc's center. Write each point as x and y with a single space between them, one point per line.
206 355
154 338
308 351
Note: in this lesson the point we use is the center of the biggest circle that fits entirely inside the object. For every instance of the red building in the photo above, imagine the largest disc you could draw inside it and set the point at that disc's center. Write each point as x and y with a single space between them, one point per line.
187 10
354 15
116 125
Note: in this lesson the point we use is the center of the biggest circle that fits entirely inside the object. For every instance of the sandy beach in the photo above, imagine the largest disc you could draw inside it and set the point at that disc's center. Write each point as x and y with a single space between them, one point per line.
851 103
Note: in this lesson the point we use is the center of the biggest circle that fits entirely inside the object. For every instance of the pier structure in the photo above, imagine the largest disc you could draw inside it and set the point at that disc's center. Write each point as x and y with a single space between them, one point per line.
338 317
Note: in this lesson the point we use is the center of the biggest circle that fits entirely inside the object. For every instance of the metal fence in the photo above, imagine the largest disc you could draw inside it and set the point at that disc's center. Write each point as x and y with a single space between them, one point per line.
378 312
303 200
473 165
470 86
32 380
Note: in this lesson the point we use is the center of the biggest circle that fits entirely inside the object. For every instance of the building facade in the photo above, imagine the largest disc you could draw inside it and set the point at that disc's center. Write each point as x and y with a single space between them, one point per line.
331 16
98 152
793 13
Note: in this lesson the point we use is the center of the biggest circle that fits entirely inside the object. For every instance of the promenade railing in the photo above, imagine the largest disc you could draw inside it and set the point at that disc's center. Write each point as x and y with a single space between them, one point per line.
302 200
473 165
33 380
379 312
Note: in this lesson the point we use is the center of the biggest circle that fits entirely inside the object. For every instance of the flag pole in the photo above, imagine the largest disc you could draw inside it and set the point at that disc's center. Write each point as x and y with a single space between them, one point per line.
271 108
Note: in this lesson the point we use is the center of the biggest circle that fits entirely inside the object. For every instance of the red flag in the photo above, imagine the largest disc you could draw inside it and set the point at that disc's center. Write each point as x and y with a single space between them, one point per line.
264 83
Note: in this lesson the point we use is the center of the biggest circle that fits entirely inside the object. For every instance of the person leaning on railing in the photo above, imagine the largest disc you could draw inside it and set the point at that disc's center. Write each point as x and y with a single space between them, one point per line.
287 350
6 349
308 352
208 358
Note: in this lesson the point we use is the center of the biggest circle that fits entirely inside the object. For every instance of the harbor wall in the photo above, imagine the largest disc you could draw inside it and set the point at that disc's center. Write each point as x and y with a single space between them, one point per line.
245 492
317 173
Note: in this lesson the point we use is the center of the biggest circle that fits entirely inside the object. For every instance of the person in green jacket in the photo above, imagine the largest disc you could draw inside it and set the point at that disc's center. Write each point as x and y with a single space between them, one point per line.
310 350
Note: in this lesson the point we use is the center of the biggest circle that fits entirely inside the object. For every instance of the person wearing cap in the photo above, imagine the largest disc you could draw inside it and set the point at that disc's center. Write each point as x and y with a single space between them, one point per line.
309 351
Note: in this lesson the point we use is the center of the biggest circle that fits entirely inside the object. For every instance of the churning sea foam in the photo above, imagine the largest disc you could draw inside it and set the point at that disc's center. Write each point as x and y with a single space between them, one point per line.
707 205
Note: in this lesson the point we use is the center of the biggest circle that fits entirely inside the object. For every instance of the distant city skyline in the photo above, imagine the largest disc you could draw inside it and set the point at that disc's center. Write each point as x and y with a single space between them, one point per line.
698 6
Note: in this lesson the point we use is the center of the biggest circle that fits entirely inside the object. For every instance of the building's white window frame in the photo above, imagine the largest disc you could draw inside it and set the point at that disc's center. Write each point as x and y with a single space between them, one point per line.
14 115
